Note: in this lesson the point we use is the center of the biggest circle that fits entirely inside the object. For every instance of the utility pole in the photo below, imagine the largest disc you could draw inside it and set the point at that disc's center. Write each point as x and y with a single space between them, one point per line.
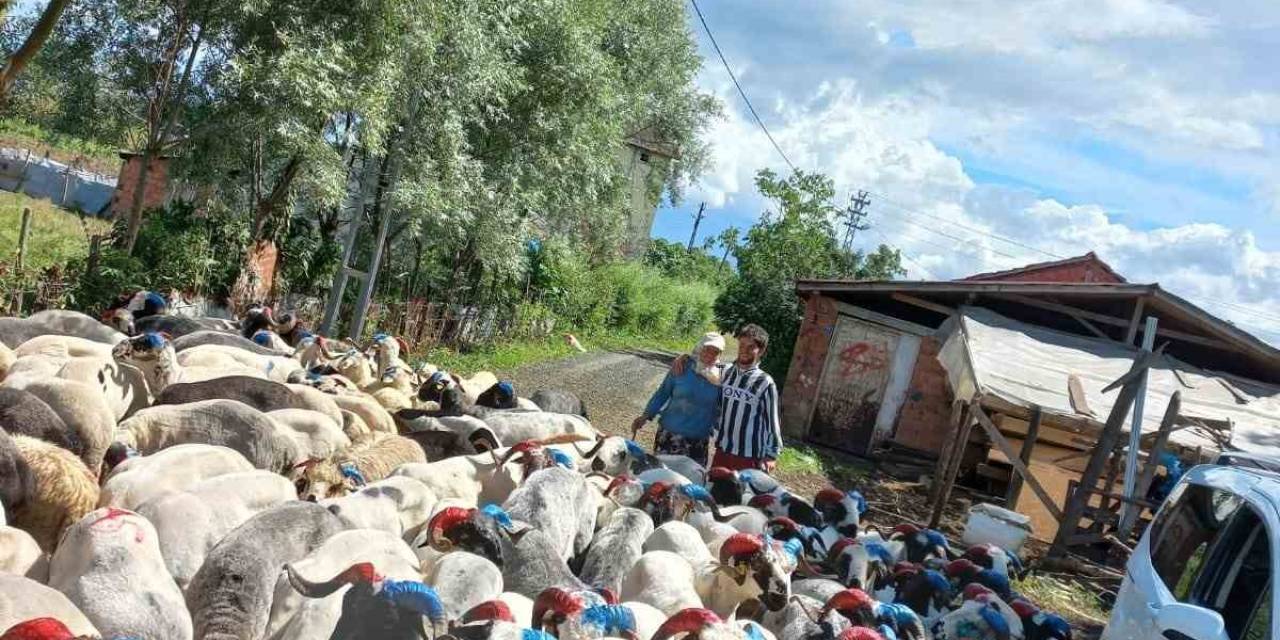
697 220
852 217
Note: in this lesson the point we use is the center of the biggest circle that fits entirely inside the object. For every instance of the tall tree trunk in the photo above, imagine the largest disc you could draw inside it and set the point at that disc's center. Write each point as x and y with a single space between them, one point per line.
164 118
267 207
31 46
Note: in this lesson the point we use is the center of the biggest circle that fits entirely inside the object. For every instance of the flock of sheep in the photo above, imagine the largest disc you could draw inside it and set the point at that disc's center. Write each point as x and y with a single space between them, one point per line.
171 478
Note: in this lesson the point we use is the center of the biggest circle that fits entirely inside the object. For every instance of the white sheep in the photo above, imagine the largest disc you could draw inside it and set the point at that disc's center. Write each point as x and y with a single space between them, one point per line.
213 356
560 503
23 599
318 434
464 580
109 565
375 416
473 479
264 442
82 407
153 354
191 521
293 615
397 504
140 479
21 555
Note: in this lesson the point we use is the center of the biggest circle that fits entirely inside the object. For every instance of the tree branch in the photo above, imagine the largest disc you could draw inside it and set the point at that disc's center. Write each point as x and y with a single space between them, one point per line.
31 46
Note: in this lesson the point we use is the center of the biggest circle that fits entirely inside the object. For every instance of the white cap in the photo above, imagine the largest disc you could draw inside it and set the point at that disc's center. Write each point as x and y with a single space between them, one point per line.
711 339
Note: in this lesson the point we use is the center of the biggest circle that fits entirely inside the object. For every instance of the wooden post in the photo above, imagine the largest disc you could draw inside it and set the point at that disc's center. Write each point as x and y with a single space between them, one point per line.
23 233
1028 444
963 428
999 440
1079 499
1134 320
1153 460
944 457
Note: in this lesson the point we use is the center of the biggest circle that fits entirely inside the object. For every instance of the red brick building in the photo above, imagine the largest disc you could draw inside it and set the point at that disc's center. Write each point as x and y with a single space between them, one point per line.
865 369
156 190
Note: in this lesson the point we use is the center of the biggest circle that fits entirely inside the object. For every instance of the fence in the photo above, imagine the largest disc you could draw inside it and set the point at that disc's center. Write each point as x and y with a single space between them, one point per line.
65 186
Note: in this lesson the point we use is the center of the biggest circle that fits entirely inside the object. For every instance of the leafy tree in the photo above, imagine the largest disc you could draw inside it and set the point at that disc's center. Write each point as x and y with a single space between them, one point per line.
793 240
728 241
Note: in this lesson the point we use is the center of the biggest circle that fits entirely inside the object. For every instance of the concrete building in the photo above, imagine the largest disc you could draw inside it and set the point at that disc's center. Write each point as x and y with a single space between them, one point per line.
641 155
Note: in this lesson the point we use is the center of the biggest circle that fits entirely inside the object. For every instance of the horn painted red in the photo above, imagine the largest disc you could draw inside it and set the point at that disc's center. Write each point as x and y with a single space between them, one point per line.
741 544
39 629
554 600
489 610
849 600
686 621
829 495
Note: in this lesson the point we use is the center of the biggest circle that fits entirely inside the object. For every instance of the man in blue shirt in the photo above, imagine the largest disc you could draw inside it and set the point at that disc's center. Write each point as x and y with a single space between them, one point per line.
686 403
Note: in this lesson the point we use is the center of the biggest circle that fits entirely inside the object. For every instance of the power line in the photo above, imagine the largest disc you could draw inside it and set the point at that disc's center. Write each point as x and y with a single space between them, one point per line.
902 252
968 227
948 235
742 93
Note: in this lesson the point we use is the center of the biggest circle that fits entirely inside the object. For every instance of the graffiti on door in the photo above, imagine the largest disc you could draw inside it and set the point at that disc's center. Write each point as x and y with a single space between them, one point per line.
863 357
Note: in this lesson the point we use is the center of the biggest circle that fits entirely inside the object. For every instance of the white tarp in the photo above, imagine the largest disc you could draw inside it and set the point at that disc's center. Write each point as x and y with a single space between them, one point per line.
1028 365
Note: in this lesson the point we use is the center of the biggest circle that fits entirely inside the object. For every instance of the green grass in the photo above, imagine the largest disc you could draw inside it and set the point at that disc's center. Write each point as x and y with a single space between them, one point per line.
800 459
56 235
85 154
509 355
1068 599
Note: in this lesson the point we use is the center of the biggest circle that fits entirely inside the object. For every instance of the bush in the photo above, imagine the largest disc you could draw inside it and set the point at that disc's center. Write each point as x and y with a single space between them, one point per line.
177 249
623 296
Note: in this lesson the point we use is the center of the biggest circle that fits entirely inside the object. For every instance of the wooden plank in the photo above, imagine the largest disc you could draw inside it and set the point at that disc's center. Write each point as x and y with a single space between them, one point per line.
1018 465
1078 500
1093 328
895 392
1153 460
923 304
948 448
1117 322
1079 399
1134 321
1028 445
963 429
888 321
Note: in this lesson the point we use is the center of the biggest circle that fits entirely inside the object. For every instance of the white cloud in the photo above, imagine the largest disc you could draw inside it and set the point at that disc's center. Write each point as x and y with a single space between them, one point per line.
938 215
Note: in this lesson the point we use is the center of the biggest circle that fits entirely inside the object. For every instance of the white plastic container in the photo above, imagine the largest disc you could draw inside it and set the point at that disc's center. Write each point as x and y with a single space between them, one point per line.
989 524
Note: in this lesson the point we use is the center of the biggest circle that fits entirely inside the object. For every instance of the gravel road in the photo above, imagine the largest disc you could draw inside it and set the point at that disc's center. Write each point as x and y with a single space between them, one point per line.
614 385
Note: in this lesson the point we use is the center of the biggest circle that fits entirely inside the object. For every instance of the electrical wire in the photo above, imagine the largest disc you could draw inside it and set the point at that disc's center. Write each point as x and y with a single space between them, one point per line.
741 92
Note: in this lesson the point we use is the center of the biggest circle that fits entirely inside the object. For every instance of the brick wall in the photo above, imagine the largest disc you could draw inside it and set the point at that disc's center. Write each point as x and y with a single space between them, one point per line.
810 354
922 422
1086 271
157 189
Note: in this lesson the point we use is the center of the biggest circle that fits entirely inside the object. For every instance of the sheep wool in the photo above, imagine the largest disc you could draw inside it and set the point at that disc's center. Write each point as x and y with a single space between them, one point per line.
65 491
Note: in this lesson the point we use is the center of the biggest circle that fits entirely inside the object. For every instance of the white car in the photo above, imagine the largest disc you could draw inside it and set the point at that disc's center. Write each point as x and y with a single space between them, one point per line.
1204 569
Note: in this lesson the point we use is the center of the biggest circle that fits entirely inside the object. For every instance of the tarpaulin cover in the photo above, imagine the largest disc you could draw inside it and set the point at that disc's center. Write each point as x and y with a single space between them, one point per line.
1026 365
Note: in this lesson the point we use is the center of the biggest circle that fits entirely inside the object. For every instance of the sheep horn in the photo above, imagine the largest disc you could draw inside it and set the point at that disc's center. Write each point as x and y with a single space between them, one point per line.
324 348
359 573
839 547
691 621
830 495
485 438
809 571
848 601
554 600
741 544
445 520
595 450
488 610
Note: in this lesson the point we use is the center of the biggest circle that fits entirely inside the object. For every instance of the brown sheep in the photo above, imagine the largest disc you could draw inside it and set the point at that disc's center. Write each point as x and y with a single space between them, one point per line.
65 491
365 462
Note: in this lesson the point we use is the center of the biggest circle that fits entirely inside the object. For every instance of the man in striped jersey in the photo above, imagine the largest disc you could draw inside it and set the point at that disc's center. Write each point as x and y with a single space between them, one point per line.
749 433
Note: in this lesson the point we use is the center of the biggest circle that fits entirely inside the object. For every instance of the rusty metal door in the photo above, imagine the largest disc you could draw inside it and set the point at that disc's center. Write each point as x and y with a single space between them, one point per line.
854 378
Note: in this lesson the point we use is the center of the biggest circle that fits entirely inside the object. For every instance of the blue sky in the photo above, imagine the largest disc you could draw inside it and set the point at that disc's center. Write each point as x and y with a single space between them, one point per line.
1145 130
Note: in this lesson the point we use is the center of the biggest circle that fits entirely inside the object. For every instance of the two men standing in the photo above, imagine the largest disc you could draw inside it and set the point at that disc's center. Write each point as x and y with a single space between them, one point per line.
737 404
